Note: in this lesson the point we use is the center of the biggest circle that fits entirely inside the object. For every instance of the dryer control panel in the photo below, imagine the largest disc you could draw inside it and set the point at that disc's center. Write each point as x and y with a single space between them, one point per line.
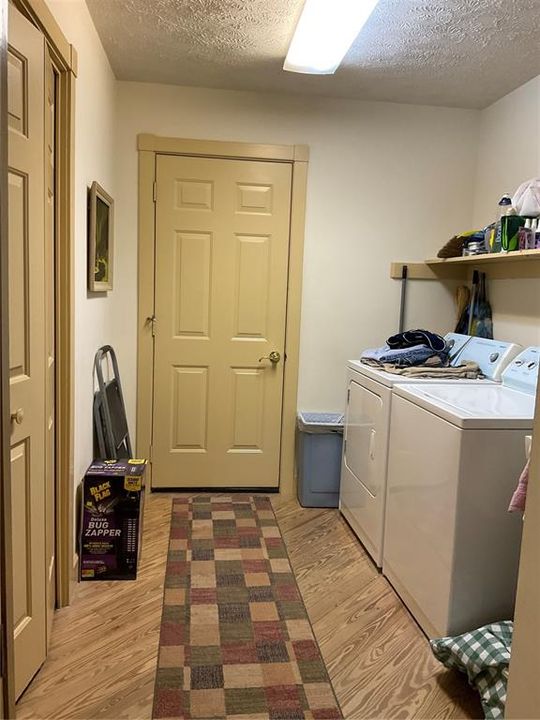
522 373
455 342
492 356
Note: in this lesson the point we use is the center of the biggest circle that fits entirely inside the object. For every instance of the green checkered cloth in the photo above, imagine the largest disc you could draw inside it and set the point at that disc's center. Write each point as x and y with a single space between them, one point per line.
484 656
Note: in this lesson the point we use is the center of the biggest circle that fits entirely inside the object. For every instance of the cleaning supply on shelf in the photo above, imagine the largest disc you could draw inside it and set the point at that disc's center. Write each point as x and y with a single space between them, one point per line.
489 232
510 225
537 235
524 235
532 233
474 245
505 207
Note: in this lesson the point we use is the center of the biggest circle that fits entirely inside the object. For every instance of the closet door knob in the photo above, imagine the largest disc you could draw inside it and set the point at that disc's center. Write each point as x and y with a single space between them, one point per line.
274 357
17 416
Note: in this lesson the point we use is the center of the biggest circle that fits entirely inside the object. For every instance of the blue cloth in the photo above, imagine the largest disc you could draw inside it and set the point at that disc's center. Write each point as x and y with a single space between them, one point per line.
403 357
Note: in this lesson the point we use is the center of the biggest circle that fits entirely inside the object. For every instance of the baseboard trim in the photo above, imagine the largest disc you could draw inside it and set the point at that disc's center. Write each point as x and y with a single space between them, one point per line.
218 490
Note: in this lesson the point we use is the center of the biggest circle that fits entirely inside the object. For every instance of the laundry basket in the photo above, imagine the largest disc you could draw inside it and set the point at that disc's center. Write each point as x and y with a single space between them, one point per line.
318 454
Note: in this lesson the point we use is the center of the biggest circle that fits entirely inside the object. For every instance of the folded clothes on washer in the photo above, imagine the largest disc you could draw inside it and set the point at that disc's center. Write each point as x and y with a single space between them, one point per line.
405 357
411 338
467 371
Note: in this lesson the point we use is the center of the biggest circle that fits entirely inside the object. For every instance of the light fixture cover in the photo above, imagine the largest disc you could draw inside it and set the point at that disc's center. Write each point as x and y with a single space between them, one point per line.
324 33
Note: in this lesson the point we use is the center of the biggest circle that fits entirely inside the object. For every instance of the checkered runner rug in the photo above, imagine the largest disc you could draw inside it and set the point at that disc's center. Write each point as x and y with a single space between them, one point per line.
235 641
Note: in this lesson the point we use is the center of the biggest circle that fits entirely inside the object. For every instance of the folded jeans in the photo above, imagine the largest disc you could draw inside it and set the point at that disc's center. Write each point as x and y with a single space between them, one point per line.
404 357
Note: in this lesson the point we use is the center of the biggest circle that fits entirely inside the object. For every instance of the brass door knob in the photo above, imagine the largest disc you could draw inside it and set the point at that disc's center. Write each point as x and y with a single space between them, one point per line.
274 357
17 416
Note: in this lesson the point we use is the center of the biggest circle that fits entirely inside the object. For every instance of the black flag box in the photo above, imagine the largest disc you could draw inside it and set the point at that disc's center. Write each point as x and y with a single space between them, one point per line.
111 519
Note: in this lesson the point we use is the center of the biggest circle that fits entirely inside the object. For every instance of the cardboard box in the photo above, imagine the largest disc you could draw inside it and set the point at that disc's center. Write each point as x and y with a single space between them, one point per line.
111 520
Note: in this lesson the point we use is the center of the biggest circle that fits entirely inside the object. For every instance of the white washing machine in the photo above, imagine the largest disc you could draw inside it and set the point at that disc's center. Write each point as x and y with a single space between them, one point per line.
451 549
366 429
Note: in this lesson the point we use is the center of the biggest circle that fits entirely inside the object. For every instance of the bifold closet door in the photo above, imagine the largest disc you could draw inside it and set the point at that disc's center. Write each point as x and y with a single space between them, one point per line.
27 352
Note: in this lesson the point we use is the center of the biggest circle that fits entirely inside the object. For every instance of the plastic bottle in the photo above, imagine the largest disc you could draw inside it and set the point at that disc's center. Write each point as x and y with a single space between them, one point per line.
504 208
536 237
488 237
505 203
531 240
524 235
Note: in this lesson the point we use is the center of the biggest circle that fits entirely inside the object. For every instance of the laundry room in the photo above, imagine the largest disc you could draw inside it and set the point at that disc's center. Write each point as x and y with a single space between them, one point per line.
320 286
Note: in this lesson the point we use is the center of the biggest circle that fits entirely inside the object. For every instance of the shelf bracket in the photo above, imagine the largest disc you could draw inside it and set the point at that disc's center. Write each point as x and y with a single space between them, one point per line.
412 270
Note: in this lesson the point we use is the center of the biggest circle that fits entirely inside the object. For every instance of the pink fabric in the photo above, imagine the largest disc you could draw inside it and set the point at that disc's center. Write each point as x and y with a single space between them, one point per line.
517 503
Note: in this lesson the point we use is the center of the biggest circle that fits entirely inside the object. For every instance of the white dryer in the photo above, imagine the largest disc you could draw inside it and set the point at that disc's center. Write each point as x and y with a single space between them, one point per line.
451 549
362 497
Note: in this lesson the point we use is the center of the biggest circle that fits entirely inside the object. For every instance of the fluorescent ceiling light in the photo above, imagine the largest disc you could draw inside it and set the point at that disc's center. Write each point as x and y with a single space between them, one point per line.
325 31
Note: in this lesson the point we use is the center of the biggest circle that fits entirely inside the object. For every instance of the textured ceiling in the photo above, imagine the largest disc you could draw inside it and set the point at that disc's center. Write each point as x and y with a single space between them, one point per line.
464 53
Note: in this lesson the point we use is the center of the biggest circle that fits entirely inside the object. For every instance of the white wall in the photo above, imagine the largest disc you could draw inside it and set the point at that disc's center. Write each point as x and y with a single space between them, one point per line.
509 154
386 182
97 316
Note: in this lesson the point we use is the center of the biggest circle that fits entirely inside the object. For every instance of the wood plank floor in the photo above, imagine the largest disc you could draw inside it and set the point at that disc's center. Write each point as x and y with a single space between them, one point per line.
103 651
379 661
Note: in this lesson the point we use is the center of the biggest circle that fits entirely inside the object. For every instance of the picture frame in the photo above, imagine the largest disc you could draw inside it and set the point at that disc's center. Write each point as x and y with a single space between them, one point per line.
100 239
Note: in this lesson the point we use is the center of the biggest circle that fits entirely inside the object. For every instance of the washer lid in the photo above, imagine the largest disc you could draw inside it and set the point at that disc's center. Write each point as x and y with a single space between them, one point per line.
473 406
385 378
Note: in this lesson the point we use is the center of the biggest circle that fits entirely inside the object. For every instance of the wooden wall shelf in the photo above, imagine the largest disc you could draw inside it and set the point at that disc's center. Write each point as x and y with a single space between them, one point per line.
488 258
521 263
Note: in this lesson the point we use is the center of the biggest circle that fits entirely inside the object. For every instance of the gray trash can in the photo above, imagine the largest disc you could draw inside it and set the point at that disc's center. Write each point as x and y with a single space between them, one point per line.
318 452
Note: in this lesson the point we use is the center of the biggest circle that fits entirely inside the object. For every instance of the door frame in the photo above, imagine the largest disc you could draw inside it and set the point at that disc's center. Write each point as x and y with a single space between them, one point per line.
149 147
64 59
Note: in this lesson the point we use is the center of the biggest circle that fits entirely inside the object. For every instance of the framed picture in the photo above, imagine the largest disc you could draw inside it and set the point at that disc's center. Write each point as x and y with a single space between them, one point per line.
100 239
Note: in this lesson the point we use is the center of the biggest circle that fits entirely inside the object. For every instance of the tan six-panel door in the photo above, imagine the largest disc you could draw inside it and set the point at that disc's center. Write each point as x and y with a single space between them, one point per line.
27 341
222 246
